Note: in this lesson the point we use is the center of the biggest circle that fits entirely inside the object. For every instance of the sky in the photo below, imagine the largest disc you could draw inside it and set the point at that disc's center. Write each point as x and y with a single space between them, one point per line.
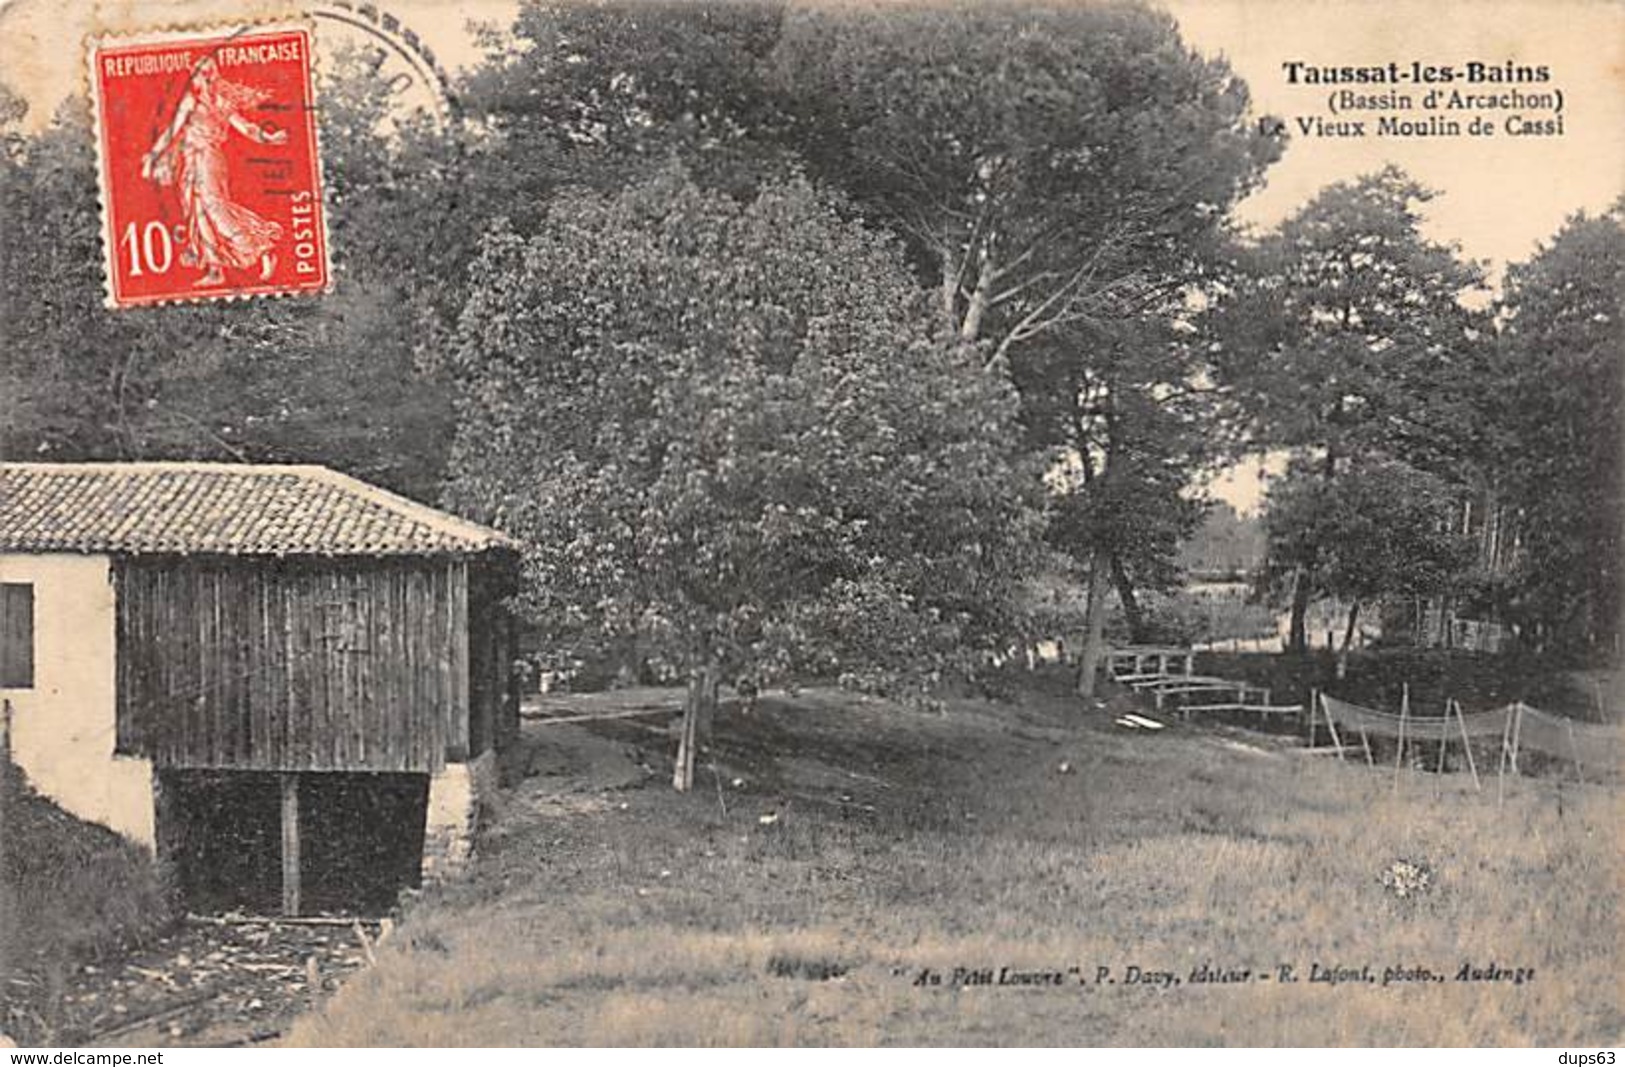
1500 196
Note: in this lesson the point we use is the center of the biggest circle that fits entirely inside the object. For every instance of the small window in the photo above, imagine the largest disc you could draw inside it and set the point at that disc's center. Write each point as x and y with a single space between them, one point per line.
16 635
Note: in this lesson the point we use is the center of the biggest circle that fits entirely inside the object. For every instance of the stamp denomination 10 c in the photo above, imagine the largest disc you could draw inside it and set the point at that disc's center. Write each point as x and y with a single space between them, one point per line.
210 176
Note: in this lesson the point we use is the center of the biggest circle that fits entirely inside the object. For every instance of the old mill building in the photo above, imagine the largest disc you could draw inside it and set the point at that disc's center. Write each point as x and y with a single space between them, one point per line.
288 684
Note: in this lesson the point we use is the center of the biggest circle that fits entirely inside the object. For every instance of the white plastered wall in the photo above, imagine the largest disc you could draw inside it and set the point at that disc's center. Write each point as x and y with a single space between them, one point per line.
63 733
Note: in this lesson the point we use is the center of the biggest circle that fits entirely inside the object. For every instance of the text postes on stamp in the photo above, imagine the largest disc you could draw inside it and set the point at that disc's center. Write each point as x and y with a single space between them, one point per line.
210 178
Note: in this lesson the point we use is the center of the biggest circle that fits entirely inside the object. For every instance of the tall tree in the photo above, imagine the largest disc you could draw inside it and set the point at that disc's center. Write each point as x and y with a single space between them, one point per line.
75 377
604 92
1060 174
1376 528
352 378
1351 336
1135 423
731 434
1228 544
1043 163
1555 404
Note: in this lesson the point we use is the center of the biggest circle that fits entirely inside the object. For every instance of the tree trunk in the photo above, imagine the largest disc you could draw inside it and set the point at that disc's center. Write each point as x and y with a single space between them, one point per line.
970 328
630 671
1348 641
1094 625
1297 639
1298 625
1131 603
697 714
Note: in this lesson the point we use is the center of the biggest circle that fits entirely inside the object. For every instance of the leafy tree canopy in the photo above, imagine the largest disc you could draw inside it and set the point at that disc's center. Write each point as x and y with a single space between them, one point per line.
1555 408
1378 528
1045 164
730 433
1347 331
1349 338
602 92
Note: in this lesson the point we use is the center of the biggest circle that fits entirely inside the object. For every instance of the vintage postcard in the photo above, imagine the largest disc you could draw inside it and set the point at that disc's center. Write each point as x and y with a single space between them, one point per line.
796 523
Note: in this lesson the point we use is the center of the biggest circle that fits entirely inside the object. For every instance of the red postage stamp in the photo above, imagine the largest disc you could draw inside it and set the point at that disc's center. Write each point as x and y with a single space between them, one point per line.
210 177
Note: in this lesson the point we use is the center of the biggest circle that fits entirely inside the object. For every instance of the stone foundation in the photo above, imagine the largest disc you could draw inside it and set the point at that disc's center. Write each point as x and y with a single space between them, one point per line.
457 797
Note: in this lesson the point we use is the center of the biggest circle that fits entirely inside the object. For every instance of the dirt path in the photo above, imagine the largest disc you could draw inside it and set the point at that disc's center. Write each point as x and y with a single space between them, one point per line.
208 983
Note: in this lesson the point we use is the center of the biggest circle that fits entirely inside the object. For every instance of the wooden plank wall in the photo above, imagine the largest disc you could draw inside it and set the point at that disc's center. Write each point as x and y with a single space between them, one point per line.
293 666
493 692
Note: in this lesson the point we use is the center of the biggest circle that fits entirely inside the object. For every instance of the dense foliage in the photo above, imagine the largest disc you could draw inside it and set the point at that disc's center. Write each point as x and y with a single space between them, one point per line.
1354 341
258 380
1554 458
736 442
769 328
1047 166
729 432
1376 528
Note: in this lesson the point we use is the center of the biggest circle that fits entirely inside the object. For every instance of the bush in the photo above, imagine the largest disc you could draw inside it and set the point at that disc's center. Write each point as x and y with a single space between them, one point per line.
86 891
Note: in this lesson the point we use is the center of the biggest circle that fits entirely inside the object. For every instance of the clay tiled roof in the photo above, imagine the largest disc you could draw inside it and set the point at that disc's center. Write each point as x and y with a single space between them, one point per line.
233 509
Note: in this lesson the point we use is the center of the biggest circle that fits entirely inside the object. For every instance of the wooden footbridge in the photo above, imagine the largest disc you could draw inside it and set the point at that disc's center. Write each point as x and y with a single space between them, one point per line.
1167 674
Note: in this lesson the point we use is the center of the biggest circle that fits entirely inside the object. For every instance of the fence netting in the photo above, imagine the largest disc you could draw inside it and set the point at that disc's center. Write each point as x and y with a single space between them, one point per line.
1593 746
1417 727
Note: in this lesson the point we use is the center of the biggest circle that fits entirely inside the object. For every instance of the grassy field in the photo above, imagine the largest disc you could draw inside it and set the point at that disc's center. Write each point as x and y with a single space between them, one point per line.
840 853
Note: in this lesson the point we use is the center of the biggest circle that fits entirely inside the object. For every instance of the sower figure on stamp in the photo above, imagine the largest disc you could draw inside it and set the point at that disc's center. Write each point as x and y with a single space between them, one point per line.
219 231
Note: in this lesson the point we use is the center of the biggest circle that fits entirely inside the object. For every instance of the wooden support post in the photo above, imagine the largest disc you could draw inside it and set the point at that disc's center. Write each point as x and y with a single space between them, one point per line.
682 771
1501 764
1444 736
1311 718
1517 738
1326 710
1365 743
1467 744
701 702
1574 747
366 947
290 845
1404 719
